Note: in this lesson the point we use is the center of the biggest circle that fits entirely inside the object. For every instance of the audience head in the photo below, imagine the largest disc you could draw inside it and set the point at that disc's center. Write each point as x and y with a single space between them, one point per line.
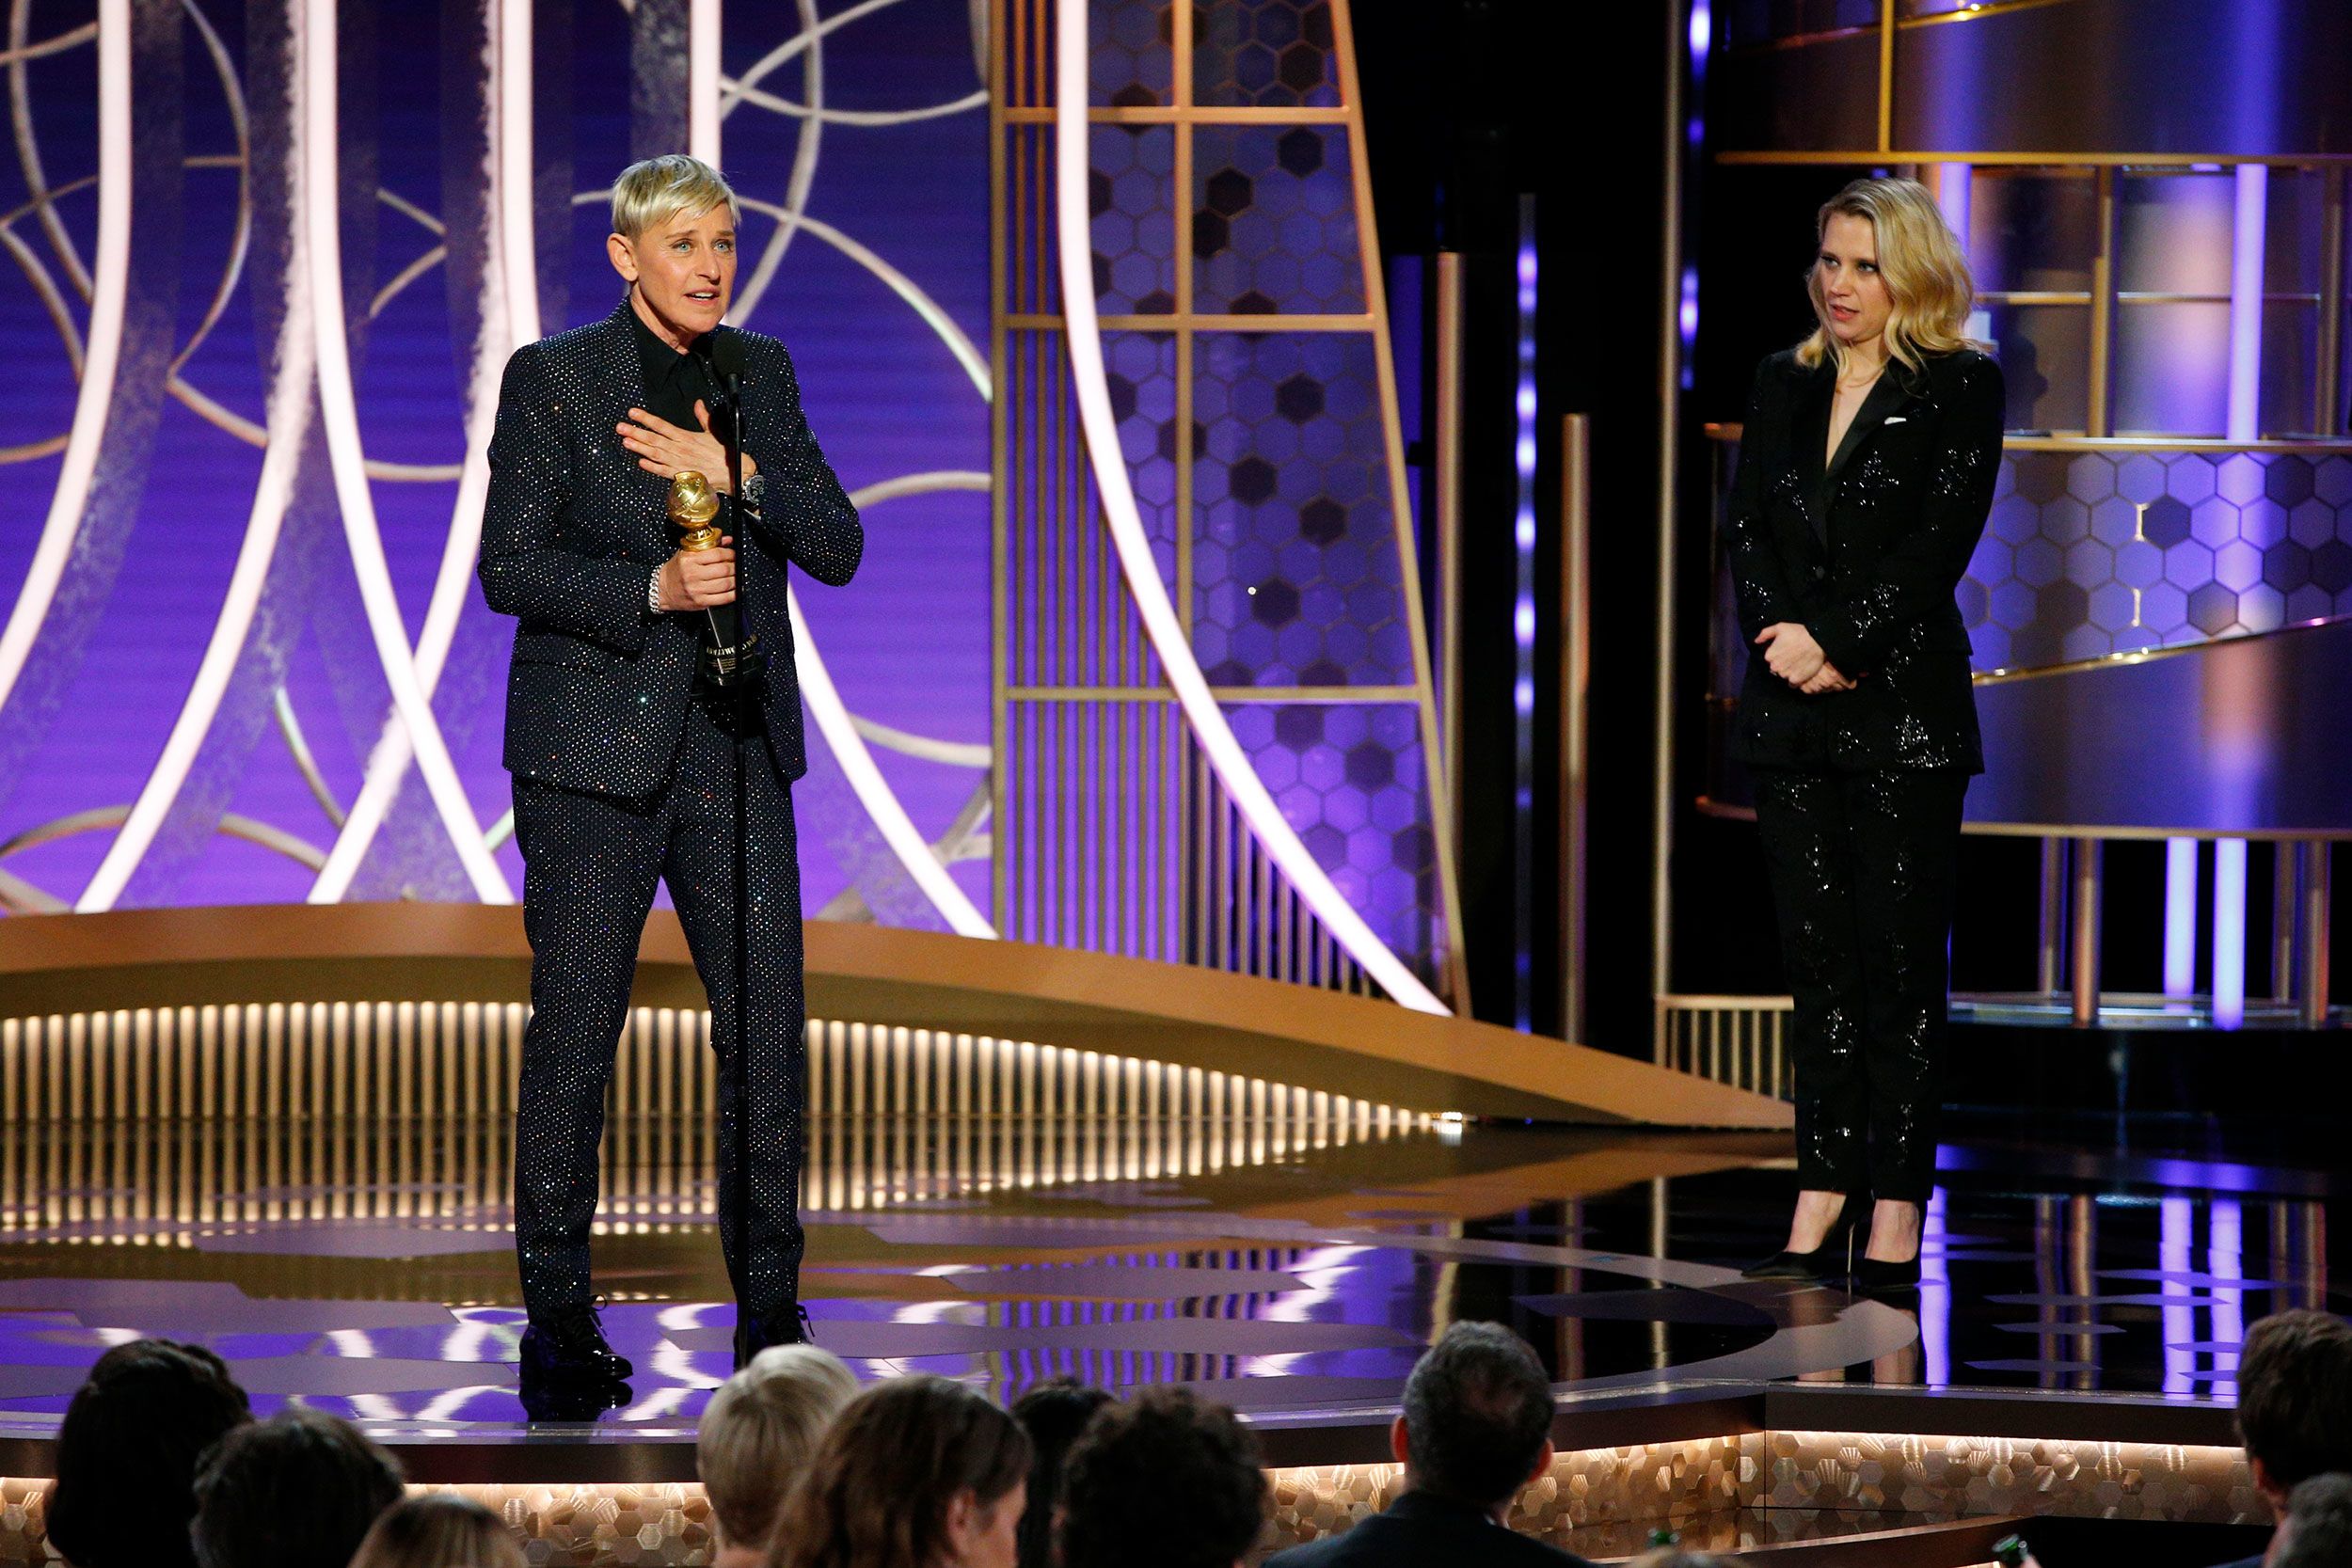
1165 1481
759 1431
1052 1413
918 1472
2316 1531
2295 1399
127 1452
1477 1419
439 1529
299 1490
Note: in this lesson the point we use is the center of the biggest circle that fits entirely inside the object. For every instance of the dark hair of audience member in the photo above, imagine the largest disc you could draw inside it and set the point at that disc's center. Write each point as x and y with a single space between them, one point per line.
1477 1410
127 1451
2317 1530
1165 1481
2294 1395
439 1529
300 1490
1053 1413
901 1464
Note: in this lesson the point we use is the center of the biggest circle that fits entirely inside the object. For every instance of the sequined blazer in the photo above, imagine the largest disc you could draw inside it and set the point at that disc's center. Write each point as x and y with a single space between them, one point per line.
1864 549
598 691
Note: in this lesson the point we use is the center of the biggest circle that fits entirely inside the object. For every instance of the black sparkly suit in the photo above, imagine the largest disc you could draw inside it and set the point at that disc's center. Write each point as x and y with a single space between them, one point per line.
1858 793
624 773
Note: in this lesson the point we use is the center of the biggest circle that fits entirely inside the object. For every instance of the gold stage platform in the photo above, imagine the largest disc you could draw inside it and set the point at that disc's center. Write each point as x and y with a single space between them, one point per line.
1319 1041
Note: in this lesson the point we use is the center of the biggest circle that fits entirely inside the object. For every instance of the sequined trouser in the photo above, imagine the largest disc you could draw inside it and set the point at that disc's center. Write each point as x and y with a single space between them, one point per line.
1862 868
590 863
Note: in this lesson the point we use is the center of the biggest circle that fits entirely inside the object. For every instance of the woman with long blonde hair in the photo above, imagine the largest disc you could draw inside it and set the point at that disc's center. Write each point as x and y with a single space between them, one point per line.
1865 474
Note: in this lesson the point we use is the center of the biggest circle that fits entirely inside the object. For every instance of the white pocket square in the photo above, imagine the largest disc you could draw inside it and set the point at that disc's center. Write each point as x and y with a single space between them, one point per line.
1897 419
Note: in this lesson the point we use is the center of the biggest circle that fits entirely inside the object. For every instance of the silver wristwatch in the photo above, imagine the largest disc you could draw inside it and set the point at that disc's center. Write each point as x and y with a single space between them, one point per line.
754 488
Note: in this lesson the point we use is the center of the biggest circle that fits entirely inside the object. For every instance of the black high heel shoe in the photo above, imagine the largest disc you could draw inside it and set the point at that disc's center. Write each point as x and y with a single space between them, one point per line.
1874 1277
1830 1261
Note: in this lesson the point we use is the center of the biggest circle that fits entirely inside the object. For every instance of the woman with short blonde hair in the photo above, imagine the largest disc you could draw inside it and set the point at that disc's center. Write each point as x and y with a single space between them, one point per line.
1866 470
438 1530
756 1436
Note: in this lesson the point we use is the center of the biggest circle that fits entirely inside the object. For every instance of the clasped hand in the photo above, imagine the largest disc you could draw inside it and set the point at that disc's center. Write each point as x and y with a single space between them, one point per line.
664 449
1795 658
700 579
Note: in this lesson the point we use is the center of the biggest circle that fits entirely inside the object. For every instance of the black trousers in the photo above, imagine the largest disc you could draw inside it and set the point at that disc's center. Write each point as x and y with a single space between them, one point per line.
590 862
1862 867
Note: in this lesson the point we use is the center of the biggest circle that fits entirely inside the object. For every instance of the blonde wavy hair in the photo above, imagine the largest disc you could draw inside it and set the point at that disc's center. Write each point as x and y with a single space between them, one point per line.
1929 290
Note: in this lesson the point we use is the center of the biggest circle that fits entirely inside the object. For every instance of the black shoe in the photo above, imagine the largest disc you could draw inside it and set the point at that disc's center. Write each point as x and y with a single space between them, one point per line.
570 1348
787 1324
558 1398
1830 1261
1872 1277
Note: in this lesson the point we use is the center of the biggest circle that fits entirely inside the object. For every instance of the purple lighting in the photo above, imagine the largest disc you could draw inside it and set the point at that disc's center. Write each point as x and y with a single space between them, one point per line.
2228 932
1524 404
2180 917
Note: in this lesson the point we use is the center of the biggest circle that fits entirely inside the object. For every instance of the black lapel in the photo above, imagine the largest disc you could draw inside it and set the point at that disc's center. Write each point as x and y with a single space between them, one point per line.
1885 397
1811 432
620 369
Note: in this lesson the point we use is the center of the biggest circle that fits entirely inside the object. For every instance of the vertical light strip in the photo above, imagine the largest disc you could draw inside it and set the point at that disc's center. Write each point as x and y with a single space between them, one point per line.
2176 1239
511 296
518 237
109 293
2246 235
2247 239
340 415
2179 918
1523 635
1121 516
2225 1260
702 80
2228 932
1935 1292
1952 194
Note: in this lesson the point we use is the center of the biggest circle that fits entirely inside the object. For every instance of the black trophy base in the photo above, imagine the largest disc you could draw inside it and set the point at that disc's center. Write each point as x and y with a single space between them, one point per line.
735 667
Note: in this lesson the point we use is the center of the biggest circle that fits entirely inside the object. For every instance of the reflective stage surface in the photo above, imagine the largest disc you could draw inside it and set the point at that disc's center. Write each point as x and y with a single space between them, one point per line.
1294 1252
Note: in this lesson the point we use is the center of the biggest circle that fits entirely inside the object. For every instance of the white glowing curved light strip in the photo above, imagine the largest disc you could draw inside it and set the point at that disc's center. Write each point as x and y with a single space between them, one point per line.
510 318
109 294
289 419
340 417
823 697
1135 550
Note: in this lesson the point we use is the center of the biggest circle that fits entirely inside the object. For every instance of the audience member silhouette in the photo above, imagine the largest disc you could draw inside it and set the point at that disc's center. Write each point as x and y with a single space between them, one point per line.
300 1490
918 1472
1053 1413
1476 1429
127 1454
1165 1481
439 1529
757 1434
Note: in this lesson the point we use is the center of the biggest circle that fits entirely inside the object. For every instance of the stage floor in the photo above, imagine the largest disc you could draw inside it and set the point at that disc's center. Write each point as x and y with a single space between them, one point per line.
1295 1269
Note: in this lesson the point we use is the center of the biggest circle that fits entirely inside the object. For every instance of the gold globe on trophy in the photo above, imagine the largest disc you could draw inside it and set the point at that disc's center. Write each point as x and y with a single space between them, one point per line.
694 509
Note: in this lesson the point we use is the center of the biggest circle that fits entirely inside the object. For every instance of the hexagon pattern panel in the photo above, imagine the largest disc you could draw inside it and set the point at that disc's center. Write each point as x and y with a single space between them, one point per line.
2089 554
1350 778
1264 54
1294 555
1274 221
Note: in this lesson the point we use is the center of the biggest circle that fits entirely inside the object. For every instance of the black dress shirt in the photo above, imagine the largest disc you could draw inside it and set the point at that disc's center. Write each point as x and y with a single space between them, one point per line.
673 381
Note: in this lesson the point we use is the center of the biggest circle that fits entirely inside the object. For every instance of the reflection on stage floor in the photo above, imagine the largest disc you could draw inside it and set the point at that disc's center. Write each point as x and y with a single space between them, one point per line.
1293 1251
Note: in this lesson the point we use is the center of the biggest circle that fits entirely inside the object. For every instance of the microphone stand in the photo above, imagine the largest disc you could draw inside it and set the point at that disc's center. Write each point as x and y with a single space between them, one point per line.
747 676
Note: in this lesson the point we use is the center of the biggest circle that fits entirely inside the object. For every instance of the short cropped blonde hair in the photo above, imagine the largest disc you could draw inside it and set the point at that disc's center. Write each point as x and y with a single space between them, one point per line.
659 189
1928 285
762 1425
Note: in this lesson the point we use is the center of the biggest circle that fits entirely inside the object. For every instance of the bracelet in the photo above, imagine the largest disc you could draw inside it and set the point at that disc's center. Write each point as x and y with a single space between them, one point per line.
652 592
